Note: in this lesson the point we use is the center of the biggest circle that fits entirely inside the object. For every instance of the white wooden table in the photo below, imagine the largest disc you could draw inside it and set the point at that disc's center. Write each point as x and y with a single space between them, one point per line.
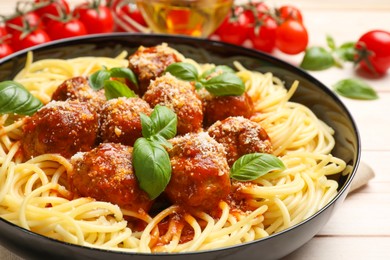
360 229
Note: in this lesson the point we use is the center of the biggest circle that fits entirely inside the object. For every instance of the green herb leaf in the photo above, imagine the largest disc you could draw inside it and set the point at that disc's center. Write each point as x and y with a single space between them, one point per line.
147 126
225 84
251 166
346 51
183 71
115 89
330 42
355 89
97 79
222 68
317 58
158 139
124 73
164 122
14 98
160 126
152 166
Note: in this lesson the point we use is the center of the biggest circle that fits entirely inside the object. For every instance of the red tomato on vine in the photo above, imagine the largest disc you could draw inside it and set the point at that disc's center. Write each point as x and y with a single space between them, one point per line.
59 29
287 12
263 37
373 51
22 20
25 39
5 49
236 26
51 8
291 37
96 17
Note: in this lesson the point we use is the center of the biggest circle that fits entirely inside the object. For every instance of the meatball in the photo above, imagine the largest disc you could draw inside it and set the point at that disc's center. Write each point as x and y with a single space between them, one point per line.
240 136
180 96
149 63
221 107
106 174
64 127
78 88
120 120
200 173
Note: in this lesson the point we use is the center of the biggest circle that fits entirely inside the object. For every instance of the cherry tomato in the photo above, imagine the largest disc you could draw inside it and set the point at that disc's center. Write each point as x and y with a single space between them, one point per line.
57 29
287 12
97 18
373 50
5 50
53 8
263 38
126 11
261 8
3 31
236 27
21 40
291 37
17 23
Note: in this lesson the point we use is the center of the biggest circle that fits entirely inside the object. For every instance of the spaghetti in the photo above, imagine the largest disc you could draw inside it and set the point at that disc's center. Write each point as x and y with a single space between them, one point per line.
35 193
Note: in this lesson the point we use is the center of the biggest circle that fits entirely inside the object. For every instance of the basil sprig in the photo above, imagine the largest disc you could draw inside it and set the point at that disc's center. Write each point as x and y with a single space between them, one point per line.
152 166
113 88
225 84
150 159
317 58
15 98
355 89
321 58
160 126
254 165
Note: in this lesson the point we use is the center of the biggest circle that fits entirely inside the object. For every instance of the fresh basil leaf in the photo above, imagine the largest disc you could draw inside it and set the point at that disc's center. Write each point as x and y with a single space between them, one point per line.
317 58
124 73
15 98
225 84
97 79
355 89
183 71
115 89
164 122
152 166
330 42
252 166
161 140
147 126
346 51
223 68
29 107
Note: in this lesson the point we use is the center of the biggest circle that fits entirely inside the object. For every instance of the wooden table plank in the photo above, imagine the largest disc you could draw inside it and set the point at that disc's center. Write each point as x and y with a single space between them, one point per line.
342 248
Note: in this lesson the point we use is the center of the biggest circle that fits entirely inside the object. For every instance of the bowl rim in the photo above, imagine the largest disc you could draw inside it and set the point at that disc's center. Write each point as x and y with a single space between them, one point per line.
243 51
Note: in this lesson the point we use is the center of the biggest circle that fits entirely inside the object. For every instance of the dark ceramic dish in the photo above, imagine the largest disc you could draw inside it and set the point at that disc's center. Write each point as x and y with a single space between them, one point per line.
311 92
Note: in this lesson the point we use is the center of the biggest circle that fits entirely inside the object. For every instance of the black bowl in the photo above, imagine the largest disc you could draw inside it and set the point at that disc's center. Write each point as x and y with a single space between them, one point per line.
311 93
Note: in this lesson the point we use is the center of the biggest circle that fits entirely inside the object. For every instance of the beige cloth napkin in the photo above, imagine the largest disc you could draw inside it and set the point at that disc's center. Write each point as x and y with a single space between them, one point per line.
363 175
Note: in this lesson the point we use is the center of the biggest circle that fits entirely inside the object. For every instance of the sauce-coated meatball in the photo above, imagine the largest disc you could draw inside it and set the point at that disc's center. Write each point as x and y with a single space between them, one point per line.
64 127
221 107
240 136
180 96
200 173
106 173
120 120
149 63
78 88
